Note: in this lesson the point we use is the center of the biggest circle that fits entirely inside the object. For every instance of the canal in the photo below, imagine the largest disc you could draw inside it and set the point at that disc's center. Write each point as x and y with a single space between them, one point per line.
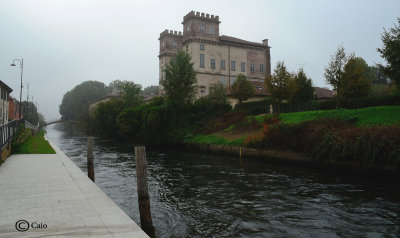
197 195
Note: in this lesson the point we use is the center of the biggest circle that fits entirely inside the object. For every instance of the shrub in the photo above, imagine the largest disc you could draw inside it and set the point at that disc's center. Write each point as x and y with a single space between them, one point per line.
104 121
254 108
224 122
163 122
389 100
19 137
334 139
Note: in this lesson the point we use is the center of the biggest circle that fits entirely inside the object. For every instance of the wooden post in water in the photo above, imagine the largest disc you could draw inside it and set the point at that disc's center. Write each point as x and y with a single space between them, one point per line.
143 193
90 167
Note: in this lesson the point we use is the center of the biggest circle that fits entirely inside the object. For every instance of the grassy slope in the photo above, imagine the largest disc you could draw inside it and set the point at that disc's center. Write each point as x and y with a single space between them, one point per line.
369 116
214 140
35 145
383 115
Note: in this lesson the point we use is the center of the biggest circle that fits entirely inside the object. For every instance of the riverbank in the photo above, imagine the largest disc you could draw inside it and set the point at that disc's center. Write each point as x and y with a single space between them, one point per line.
295 159
234 129
364 139
28 143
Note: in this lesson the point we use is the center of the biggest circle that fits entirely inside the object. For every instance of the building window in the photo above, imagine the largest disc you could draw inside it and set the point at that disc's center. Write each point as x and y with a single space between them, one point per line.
213 63
261 68
201 47
201 29
233 65
243 67
252 67
202 90
202 60
174 44
223 81
212 30
222 64
163 44
233 79
188 29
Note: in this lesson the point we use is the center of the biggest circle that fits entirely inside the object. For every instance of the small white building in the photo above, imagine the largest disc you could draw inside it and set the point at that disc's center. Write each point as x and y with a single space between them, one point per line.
5 94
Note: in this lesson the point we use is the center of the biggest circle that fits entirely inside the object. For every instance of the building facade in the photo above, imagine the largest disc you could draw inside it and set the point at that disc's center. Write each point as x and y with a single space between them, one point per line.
216 58
13 109
5 93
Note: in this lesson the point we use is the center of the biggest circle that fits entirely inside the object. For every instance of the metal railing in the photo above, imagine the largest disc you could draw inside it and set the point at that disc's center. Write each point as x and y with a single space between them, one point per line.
7 131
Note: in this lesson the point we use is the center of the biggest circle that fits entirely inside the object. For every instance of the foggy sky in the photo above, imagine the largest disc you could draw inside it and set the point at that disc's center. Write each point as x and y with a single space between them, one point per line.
64 43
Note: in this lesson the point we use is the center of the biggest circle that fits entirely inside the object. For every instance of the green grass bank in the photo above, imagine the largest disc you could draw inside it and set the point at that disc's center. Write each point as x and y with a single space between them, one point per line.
369 116
363 117
366 138
33 144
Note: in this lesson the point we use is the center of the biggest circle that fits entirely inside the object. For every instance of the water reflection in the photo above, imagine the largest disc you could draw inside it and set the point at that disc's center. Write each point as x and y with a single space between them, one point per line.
195 195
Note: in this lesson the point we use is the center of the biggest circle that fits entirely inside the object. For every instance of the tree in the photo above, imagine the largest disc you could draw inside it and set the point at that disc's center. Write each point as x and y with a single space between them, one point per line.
74 105
305 90
131 94
30 112
151 90
217 94
115 86
180 79
357 79
280 84
391 53
104 122
381 78
334 72
42 120
241 89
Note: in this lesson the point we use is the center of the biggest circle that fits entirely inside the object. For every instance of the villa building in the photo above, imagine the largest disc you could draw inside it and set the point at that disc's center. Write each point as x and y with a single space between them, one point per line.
216 58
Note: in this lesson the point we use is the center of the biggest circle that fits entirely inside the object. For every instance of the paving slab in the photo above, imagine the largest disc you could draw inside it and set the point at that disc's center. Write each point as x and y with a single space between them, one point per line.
49 196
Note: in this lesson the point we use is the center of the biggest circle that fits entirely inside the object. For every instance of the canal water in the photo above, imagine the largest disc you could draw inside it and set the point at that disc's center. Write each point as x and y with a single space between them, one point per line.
197 195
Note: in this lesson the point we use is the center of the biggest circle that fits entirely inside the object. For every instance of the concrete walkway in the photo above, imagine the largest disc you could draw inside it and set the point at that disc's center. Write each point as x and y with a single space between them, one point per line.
54 198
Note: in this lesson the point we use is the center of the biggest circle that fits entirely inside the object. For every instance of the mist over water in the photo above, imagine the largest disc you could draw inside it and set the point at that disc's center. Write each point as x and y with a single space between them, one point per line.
197 195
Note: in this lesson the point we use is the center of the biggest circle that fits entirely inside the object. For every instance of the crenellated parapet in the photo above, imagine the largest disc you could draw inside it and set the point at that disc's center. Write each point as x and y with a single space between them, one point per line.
201 15
170 33
170 42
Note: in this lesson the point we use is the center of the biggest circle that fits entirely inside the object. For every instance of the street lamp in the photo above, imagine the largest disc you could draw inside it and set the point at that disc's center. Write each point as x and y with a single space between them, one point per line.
21 65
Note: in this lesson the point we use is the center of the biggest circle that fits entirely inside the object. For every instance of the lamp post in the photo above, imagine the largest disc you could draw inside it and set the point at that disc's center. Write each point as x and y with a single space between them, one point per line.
21 65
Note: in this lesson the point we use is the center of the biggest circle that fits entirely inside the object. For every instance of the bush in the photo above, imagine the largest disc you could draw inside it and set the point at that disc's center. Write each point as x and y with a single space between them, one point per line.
389 100
19 137
380 90
164 122
224 121
327 104
104 121
334 139
254 108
